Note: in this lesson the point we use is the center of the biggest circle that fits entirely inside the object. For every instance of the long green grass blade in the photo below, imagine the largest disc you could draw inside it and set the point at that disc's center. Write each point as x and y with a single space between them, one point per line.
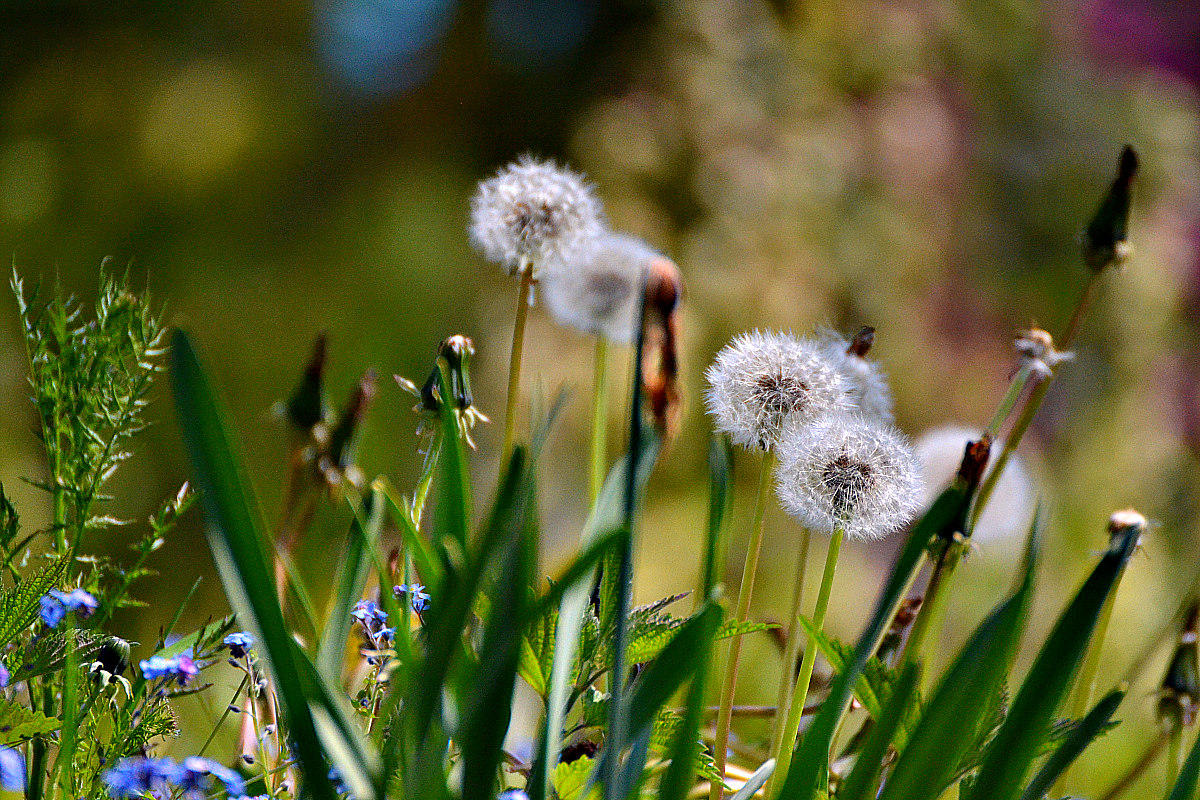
1189 776
603 524
720 468
956 714
863 780
349 587
235 536
808 770
1077 740
1021 738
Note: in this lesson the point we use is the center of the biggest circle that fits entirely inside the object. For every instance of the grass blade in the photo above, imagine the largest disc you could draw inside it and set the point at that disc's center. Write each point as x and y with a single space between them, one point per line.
1079 738
351 582
1185 784
755 782
1011 753
864 778
954 717
235 536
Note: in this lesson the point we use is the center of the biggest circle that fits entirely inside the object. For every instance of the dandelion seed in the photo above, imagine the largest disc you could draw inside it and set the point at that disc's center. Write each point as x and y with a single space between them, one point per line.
851 473
533 212
598 289
868 385
761 382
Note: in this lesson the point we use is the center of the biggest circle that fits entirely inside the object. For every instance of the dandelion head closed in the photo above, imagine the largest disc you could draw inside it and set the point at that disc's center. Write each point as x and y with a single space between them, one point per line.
762 382
868 384
533 212
848 472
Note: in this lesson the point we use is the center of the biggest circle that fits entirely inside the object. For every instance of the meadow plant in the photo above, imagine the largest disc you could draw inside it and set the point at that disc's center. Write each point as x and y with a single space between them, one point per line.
397 676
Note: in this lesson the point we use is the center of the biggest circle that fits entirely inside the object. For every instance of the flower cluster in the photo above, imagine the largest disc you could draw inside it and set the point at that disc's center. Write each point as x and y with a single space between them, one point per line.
180 668
195 778
373 621
55 605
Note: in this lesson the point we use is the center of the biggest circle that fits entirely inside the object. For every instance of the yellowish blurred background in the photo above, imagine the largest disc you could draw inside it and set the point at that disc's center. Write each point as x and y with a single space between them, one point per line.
273 169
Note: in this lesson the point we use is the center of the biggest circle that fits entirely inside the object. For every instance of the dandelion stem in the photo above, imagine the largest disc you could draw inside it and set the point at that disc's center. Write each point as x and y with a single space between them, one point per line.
1010 445
1135 771
796 712
795 638
514 362
1009 401
599 421
1174 755
933 608
745 592
1085 303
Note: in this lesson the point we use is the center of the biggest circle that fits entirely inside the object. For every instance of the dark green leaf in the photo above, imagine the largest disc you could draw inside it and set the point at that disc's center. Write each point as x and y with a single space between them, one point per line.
351 582
1079 737
863 780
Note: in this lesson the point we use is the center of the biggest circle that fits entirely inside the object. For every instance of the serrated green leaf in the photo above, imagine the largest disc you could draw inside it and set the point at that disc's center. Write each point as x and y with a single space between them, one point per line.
1077 739
18 723
19 605
570 780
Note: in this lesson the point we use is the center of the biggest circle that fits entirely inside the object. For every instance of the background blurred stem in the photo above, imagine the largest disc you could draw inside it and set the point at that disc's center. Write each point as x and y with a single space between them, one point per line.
745 593
599 422
929 619
792 726
1085 303
1136 770
1009 401
514 361
1174 755
787 676
1010 445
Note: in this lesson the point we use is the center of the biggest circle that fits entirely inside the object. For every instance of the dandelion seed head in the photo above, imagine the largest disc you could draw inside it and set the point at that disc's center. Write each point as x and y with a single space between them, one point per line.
598 287
533 211
849 472
868 384
1036 349
761 382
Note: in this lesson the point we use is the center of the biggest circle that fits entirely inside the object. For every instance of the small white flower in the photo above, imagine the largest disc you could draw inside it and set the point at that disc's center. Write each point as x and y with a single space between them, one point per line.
1036 349
532 212
848 472
868 385
598 287
761 382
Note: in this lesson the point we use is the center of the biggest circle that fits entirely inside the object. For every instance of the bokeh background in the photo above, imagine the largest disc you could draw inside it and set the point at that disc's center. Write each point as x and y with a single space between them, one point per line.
274 168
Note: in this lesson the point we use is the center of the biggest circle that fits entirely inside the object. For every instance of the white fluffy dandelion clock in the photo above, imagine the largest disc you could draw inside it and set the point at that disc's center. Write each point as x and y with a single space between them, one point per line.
532 212
849 473
597 288
868 385
762 382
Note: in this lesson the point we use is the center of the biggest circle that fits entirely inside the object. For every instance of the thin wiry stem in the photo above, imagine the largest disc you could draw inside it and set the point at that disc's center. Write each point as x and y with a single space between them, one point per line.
514 361
792 726
1135 771
745 594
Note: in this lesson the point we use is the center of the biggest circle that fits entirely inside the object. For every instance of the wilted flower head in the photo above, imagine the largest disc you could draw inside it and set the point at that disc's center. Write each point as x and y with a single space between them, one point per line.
868 385
598 287
760 382
1036 348
456 351
532 212
851 473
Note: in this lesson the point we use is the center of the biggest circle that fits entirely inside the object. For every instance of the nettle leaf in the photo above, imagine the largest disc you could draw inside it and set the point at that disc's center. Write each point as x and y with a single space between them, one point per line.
48 652
650 635
570 779
18 723
662 735
19 605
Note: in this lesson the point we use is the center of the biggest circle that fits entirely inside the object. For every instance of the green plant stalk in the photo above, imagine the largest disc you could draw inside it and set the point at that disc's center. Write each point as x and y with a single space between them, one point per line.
796 712
1009 401
933 610
745 593
1135 771
1010 445
1086 687
787 676
599 451
1174 755
514 361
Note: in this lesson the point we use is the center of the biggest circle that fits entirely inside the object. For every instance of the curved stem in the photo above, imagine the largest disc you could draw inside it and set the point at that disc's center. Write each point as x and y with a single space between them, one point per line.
598 463
1010 445
1085 302
745 592
1135 771
796 712
514 362
787 676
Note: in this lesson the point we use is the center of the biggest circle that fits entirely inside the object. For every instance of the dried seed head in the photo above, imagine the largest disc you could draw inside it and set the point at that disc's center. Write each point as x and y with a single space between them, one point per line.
868 385
1036 348
761 382
1121 521
597 288
848 472
532 212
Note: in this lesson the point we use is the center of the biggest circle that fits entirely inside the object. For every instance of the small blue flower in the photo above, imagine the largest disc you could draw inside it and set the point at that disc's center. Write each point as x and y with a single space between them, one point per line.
52 611
368 613
195 775
5 677
238 643
512 794
138 775
418 597
180 668
339 785
12 770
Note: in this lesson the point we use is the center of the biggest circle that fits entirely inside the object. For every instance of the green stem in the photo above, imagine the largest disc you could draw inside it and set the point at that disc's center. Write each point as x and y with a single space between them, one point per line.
1085 302
1009 401
933 609
795 639
796 712
1010 445
599 422
745 593
1135 771
1174 755
514 362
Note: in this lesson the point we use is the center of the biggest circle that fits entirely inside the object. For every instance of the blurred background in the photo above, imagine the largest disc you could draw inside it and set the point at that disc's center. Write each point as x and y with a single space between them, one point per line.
274 169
